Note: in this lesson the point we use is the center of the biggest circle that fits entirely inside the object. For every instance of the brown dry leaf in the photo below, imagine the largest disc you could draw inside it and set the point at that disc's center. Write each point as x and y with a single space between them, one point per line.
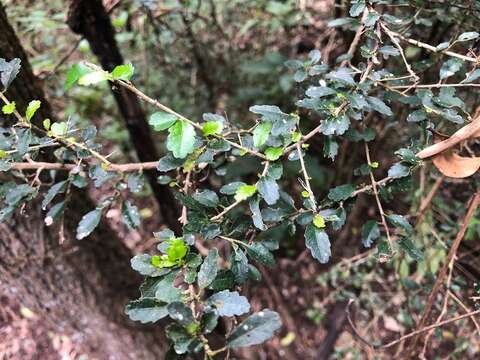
453 165
469 131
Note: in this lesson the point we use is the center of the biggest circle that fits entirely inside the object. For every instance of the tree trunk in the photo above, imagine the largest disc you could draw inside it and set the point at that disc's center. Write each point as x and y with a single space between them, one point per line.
77 289
90 19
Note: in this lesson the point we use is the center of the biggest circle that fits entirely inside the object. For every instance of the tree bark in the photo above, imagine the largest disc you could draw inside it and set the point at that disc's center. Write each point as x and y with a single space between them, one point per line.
90 19
77 289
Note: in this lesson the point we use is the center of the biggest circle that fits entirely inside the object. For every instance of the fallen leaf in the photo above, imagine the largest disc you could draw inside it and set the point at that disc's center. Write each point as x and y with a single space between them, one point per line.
469 131
453 165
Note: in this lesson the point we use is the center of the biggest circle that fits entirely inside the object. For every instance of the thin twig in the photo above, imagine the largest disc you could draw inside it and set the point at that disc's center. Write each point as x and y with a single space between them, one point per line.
474 202
377 198
404 337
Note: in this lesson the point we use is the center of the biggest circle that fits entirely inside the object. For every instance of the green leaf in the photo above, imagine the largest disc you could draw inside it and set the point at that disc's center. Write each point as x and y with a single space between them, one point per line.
357 9
143 265
370 233
268 189
409 247
165 290
316 92
244 192
94 77
9 71
135 182
260 253
398 171
161 120
378 105
319 221
208 269
341 192
342 76
229 303
256 329
59 129
75 72
318 243
8 108
169 162
261 133
88 223
417 115
473 76
130 214
32 107
230 189
180 312
212 128
269 112
273 153
146 310
400 221
206 197
340 22
55 189
467 36
177 250
450 68
181 139
256 213
371 18
123 72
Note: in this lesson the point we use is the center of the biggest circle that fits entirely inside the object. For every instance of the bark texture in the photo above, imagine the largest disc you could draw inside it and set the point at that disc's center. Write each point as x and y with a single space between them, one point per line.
90 19
77 289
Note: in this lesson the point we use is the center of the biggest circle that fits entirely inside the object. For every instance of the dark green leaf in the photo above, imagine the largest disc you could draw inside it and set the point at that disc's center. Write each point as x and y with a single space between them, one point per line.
341 192
370 232
208 269
318 243
261 254
130 214
88 223
256 329
229 303
146 310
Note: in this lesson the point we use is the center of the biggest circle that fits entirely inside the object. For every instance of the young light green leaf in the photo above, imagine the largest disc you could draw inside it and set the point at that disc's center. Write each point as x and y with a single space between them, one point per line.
88 223
161 120
181 139
94 77
32 107
59 129
319 221
123 72
256 329
273 153
261 133
212 128
229 303
243 192
318 243
208 269
8 108
75 72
